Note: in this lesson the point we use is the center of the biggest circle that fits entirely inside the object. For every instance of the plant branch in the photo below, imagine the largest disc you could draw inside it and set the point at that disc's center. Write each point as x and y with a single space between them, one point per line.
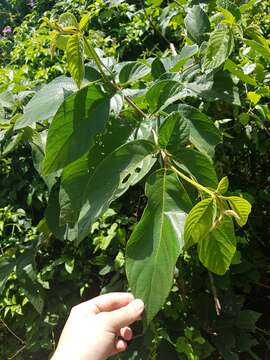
11 331
214 291
192 182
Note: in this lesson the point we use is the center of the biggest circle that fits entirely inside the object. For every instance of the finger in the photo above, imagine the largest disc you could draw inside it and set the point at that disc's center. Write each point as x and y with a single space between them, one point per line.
126 333
120 345
107 302
126 315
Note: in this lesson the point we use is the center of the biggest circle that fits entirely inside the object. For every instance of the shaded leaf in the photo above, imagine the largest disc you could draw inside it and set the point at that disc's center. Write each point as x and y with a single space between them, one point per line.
124 167
197 165
132 71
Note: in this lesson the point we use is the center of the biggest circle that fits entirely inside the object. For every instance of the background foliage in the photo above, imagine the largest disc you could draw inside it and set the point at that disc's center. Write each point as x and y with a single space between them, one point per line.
42 276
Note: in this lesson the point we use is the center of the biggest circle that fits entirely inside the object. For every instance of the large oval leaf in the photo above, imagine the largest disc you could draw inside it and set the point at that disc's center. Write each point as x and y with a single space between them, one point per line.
76 175
197 24
157 241
219 48
217 249
45 103
82 116
202 131
124 167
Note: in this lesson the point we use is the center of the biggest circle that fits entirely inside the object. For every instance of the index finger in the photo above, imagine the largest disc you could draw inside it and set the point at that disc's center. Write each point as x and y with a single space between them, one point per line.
108 302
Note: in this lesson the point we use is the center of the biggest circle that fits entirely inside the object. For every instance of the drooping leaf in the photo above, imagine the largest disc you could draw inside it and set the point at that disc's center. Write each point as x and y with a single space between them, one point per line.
202 131
223 89
75 58
217 248
242 207
264 51
133 71
163 93
157 241
73 183
6 267
80 118
199 221
235 70
219 48
46 102
197 24
77 174
124 167
174 131
197 165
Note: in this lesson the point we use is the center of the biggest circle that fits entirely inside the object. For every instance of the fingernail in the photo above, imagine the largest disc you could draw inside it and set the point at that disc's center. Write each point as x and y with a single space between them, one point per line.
138 305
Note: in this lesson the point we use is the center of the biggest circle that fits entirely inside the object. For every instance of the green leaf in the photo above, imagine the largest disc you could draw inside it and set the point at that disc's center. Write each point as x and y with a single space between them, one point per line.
237 71
219 48
202 131
223 185
199 221
124 167
217 248
259 48
197 165
75 58
73 182
231 7
242 207
157 241
84 22
133 71
81 117
157 68
173 131
6 267
46 102
197 24
77 174
253 97
223 89
7 99
163 93
68 20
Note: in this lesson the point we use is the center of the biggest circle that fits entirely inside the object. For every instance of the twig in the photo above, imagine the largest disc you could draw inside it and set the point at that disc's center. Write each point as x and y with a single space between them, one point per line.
17 352
11 331
214 291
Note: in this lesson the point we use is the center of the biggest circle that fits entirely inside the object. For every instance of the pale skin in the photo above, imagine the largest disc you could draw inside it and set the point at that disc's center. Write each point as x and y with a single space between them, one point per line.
93 327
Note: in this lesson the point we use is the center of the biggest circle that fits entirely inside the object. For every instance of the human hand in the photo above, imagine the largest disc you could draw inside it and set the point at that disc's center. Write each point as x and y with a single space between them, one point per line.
92 327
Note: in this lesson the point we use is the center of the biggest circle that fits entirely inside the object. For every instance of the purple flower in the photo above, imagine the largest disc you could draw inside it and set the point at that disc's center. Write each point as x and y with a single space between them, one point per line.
7 30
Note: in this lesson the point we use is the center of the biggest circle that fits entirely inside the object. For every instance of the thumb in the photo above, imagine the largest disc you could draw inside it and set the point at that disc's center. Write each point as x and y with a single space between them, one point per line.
127 314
